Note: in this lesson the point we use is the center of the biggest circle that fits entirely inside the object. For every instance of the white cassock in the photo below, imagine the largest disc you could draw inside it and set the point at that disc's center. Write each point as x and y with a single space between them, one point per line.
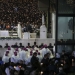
14 59
19 49
7 71
28 60
35 48
40 57
22 55
44 51
5 59
54 50
28 52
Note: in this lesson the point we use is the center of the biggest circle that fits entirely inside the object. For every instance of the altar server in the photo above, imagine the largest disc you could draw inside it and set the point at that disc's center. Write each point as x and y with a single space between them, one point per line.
39 56
29 58
44 50
10 51
22 55
14 58
5 58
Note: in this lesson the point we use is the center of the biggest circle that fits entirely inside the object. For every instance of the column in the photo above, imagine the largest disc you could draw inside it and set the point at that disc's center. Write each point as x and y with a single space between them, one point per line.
53 25
19 31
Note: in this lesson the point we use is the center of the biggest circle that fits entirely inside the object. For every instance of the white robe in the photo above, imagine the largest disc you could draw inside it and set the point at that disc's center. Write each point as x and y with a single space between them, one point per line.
5 59
40 57
22 55
14 59
28 60
44 51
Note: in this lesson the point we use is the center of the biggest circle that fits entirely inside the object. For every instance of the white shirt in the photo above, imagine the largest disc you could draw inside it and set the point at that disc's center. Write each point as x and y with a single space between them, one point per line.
7 71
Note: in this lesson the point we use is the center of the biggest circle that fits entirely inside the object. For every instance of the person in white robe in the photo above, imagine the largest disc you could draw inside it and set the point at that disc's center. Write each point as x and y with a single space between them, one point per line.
22 55
14 58
44 50
10 51
5 58
39 56
29 59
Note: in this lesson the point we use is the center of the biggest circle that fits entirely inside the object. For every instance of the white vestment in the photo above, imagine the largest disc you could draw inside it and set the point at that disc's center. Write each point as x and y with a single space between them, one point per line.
22 55
5 59
44 51
14 59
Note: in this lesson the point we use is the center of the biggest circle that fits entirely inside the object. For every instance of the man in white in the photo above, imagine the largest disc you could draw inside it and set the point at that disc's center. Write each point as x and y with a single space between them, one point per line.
5 58
10 51
29 58
39 56
14 58
45 50
22 55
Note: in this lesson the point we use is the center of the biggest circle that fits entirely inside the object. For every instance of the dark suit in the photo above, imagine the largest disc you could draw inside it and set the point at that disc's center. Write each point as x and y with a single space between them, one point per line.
35 63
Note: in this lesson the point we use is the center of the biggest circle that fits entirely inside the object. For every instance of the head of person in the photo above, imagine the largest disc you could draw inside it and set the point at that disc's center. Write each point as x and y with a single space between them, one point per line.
35 54
20 44
21 62
9 48
28 44
6 44
45 56
34 43
45 46
38 53
48 55
16 49
15 53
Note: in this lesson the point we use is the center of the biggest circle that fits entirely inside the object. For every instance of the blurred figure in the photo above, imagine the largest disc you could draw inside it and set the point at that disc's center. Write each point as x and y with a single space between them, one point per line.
15 45
40 46
35 63
50 46
35 45
20 45
28 46
6 46
5 58
7 70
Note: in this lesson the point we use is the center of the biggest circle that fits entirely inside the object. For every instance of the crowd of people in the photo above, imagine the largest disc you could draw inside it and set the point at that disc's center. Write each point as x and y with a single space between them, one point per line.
37 60
14 11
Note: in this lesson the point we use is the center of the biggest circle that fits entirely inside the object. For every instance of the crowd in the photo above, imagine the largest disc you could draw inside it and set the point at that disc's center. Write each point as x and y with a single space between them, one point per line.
37 60
14 11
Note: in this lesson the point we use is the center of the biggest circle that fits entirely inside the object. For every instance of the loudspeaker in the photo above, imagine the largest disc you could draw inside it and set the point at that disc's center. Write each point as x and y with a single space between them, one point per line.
43 5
